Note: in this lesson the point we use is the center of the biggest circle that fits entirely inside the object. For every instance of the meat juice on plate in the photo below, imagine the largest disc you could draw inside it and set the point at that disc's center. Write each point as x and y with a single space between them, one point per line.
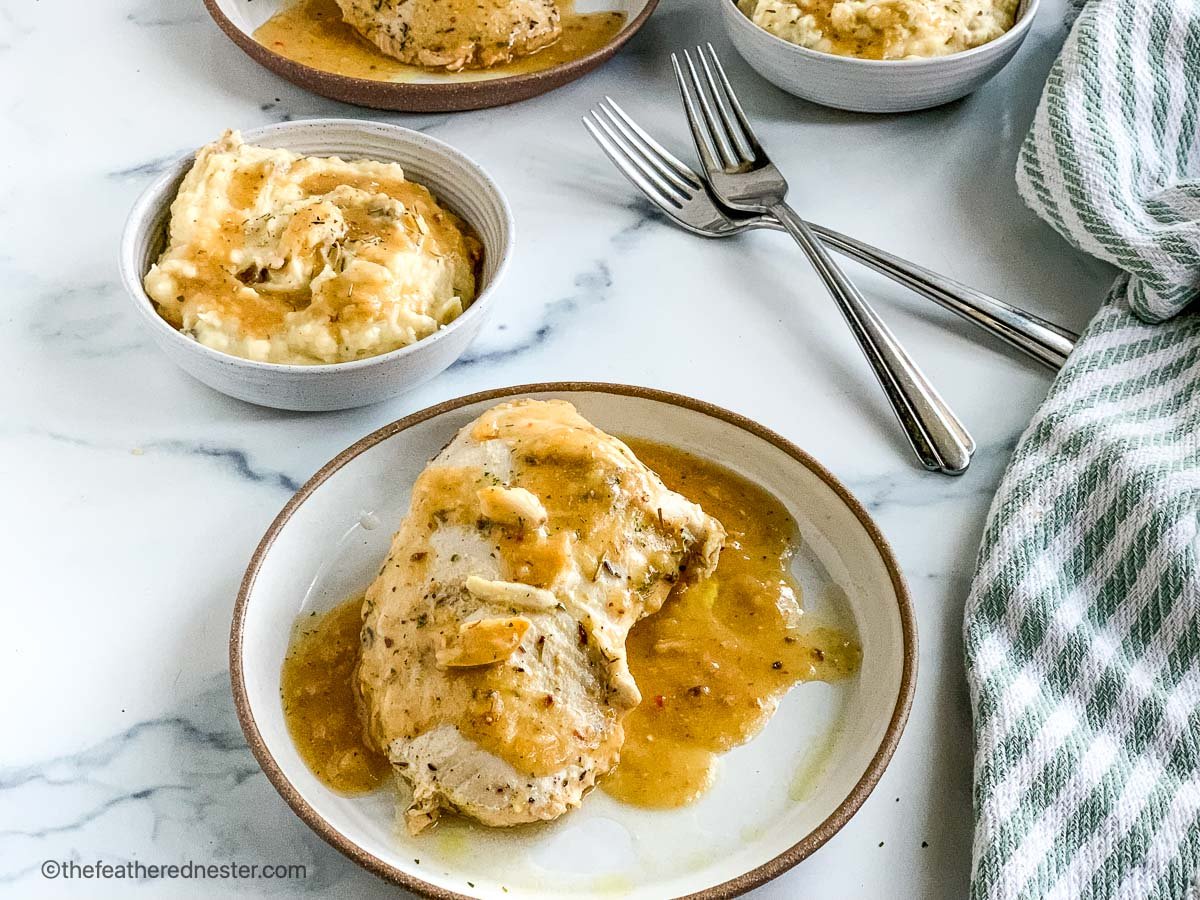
312 32
711 665
715 661
319 703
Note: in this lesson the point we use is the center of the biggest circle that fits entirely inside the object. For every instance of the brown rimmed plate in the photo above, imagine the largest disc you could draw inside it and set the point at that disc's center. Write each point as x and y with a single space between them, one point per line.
431 91
776 799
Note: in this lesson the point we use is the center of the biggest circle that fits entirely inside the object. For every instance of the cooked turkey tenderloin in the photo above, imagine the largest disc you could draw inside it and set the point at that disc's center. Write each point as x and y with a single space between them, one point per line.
493 671
455 34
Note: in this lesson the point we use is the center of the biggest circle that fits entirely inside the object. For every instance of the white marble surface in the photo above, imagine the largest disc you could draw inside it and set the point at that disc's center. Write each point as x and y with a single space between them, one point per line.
133 496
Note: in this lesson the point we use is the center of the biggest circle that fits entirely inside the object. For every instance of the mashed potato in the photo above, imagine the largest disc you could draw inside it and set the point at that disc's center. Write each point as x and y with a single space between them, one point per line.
283 258
884 29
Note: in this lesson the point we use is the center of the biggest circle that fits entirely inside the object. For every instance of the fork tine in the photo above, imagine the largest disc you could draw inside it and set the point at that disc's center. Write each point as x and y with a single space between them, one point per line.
638 159
735 105
682 169
718 134
626 168
703 148
738 141
634 144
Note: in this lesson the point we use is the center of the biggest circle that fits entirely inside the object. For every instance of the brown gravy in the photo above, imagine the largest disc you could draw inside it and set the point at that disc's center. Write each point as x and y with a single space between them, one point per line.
712 665
319 702
312 32
214 288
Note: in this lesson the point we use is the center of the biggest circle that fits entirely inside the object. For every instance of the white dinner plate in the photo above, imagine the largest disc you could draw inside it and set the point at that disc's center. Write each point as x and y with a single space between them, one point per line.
775 800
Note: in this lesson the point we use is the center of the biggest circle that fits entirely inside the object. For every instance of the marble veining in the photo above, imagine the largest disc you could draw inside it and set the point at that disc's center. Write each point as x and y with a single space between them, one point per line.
134 496
151 167
591 287
182 786
232 460
147 19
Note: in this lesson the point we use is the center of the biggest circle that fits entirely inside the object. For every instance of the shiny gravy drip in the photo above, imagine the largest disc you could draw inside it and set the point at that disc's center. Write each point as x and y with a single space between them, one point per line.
312 32
319 703
711 666
714 663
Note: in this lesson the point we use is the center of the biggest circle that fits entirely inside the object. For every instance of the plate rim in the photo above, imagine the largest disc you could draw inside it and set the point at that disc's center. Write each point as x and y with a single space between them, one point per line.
733 887
455 96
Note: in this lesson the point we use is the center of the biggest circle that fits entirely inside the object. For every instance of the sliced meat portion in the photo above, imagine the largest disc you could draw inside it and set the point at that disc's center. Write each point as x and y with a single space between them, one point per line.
493 671
455 34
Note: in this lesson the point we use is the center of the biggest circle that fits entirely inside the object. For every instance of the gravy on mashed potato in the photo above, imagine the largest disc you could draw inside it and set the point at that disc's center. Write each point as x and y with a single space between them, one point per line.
884 29
282 258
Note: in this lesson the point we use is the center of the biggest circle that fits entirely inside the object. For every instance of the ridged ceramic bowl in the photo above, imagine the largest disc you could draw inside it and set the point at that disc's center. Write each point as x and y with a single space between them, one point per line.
454 179
870 85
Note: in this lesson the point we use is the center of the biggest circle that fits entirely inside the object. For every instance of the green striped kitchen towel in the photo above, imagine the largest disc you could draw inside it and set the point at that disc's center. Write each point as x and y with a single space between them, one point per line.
1083 622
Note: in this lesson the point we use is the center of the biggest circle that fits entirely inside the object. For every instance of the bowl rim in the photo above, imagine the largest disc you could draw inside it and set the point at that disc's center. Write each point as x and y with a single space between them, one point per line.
430 90
734 887
1026 12
154 197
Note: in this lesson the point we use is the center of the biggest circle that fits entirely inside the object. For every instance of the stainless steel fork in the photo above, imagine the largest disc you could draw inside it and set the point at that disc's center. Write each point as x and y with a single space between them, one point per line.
743 177
683 195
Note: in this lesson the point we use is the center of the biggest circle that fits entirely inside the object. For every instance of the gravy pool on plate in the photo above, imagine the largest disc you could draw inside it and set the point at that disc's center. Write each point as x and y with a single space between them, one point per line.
282 258
314 33
711 665
715 661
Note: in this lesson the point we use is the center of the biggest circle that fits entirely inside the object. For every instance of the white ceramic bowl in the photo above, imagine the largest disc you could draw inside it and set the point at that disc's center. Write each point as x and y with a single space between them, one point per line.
868 85
452 177
776 799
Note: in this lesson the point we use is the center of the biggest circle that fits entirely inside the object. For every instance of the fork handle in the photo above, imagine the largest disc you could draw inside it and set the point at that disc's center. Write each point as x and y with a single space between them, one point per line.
1043 340
937 436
